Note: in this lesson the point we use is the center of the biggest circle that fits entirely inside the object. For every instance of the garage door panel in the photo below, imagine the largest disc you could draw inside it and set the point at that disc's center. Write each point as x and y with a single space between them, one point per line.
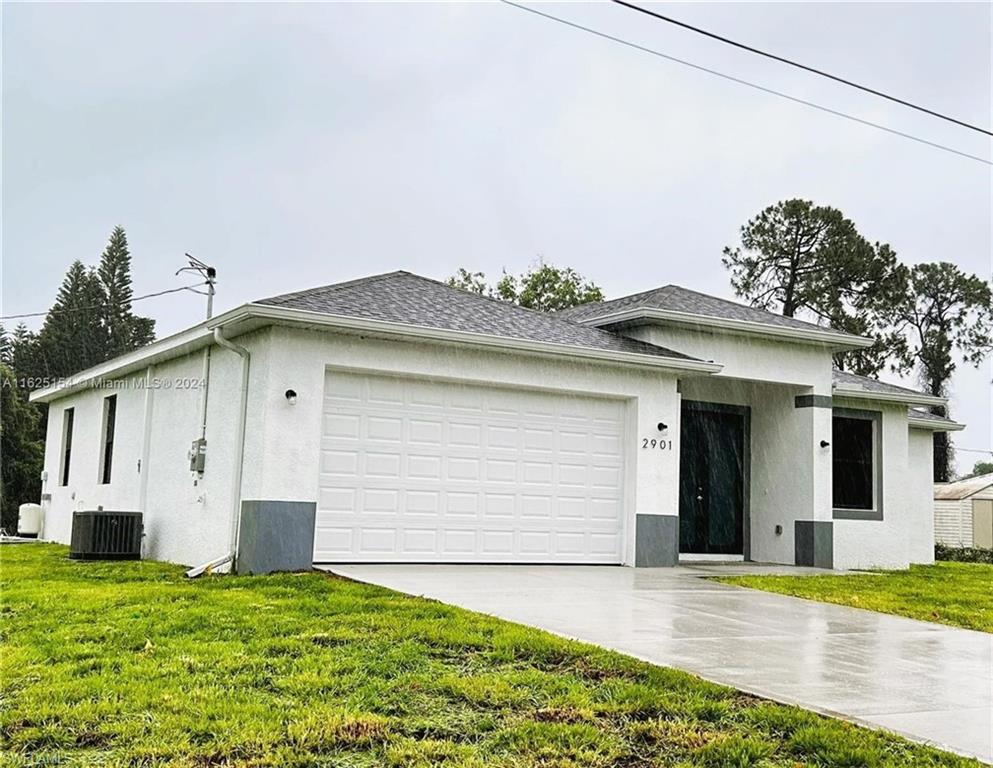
417 470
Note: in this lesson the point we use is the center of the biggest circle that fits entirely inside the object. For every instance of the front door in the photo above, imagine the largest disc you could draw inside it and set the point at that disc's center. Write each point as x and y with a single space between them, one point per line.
713 444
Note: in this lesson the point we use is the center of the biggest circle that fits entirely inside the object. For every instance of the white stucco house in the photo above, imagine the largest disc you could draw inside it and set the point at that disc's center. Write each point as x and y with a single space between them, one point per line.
396 419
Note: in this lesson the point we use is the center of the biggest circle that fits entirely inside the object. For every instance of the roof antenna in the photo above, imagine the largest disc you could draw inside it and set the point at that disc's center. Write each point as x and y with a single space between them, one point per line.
209 275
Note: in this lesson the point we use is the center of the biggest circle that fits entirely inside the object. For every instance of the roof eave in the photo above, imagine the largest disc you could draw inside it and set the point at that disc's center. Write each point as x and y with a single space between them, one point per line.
201 335
909 398
511 344
835 340
184 342
935 426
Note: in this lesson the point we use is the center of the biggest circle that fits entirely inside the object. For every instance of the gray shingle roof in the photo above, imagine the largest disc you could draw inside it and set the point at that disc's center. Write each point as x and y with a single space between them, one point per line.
871 385
921 415
402 297
677 299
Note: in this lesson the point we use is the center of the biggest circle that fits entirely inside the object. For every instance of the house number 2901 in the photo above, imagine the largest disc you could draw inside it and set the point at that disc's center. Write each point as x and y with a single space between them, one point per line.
652 444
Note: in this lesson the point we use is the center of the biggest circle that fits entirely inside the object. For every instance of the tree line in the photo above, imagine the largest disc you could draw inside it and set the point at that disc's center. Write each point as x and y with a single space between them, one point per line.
90 321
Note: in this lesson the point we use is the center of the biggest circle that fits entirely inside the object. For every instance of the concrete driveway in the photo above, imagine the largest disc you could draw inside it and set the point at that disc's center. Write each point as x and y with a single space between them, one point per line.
925 681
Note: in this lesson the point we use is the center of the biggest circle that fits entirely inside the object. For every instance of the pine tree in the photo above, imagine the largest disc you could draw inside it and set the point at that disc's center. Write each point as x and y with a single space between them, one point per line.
24 359
22 450
124 331
6 347
74 336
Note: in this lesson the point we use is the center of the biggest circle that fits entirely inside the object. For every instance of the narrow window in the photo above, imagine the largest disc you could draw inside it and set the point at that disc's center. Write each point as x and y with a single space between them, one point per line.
67 419
107 442
854 463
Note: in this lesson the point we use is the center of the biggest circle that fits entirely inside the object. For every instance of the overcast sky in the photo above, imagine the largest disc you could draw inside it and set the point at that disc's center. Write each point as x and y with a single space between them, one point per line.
299 145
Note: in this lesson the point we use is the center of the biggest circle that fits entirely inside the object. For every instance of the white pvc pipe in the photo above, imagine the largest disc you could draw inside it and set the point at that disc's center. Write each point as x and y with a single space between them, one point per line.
246 360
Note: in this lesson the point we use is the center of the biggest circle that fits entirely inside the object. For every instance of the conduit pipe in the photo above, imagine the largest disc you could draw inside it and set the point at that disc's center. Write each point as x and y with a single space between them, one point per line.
246 362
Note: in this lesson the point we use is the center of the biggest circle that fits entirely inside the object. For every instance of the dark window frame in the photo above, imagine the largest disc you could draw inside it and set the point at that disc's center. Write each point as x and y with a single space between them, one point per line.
68 420
107 438
876 513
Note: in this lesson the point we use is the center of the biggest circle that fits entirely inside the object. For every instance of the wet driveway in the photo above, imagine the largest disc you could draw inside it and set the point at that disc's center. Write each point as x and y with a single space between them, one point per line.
926 681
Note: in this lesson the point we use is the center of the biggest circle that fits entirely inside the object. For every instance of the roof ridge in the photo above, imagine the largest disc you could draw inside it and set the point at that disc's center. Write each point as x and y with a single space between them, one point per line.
638 299
592 336
504 303
629 297
279 297
749 306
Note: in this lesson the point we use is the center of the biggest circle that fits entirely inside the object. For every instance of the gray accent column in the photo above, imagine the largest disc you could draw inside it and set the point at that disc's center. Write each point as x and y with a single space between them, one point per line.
656 540
814 543
276 536
813 401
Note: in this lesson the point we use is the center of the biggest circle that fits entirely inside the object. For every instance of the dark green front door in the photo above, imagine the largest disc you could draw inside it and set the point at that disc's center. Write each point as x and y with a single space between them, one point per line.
712 479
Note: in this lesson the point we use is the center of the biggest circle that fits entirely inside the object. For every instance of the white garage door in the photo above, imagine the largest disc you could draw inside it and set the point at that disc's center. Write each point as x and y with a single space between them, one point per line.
424 471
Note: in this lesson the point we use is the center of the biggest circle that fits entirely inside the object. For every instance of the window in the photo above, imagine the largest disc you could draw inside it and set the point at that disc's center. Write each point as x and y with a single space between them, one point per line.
67 419
855 453
107 442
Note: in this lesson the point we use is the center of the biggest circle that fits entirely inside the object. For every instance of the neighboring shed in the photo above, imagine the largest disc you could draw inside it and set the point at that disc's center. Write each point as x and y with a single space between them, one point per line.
963 512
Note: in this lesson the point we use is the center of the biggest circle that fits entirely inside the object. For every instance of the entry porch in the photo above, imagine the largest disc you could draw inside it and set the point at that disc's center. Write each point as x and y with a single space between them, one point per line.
755 473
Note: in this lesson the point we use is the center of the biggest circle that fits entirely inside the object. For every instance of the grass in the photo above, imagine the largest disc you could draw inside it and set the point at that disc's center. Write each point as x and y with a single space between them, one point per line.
129 664
959 594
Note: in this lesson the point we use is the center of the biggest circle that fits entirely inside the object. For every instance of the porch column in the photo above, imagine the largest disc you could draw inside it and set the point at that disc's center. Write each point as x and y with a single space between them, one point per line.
655 533
813 534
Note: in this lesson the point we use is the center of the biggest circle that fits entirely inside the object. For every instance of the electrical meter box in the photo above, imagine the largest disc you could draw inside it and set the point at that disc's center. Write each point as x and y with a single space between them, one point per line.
198 455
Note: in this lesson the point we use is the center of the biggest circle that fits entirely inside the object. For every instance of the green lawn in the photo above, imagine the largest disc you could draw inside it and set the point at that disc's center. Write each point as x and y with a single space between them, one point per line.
129 664
960 594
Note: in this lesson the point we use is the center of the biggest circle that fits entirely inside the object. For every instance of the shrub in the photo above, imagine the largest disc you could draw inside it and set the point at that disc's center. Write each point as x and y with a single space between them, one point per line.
963 554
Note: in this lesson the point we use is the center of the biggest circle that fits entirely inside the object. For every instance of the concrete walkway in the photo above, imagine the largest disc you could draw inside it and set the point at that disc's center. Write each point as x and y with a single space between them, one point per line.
925 681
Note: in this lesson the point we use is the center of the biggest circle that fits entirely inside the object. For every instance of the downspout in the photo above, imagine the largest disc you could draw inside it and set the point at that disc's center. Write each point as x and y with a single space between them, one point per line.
146 447
246 360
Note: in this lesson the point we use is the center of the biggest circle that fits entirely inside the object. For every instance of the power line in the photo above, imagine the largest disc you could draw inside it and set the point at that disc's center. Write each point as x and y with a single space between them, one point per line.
740 81
972 450
798 65
99 306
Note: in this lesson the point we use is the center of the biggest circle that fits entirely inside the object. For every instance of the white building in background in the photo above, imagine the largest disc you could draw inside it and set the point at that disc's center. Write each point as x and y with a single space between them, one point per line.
963 512
397 419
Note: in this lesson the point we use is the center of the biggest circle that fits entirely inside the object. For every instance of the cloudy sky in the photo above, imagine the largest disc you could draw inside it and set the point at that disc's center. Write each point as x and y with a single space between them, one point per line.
297 145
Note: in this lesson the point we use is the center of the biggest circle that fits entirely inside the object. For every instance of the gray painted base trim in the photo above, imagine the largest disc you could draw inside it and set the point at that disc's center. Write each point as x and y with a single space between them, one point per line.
813 542
656 540
813 401
276 536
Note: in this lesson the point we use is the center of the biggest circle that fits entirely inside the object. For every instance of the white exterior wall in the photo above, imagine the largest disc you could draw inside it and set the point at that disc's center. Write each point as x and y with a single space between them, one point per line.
745 357
882 543
920 468
84 490
283 455
187 519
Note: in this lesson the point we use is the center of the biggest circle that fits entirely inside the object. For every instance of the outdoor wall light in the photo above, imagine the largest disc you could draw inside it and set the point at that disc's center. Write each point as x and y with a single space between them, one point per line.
663 426
825 443
291 396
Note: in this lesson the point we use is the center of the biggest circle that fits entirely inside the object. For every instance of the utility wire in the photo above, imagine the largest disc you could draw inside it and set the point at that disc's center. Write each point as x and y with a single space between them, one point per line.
740 81
798 65
101 306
